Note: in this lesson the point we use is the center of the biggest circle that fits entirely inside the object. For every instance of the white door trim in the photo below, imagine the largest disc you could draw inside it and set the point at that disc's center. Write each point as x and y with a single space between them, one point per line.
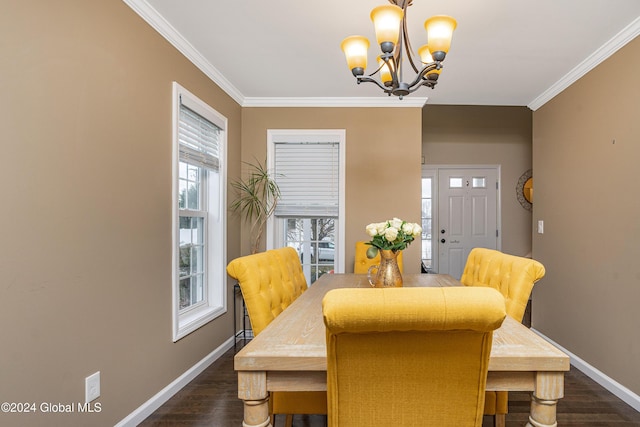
432 170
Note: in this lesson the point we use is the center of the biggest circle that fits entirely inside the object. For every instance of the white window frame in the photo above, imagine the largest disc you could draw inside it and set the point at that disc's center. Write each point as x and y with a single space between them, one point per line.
428 172
311 135
215 303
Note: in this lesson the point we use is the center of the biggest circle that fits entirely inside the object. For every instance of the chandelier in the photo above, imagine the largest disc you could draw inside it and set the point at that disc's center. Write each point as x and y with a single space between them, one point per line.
390 26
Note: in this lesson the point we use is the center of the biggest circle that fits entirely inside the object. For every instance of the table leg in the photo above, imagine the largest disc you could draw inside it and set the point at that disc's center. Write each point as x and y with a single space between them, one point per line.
548 389
252 389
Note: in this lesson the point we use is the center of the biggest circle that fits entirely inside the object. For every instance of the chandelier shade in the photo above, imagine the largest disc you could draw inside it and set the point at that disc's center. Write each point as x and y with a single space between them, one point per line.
439 32
426 58
391 32
355 49
386 22
425 54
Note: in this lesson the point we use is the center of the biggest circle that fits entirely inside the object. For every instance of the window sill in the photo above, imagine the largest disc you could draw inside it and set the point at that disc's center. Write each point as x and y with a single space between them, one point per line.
189 322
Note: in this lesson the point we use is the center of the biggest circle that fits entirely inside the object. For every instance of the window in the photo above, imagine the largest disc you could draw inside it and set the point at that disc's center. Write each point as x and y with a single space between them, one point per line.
427 223
455 182
309 169
199 233
479 182
314 239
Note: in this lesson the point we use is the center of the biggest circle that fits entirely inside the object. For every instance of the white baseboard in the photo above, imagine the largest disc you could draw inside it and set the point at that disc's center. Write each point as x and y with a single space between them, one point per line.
150 406
620 391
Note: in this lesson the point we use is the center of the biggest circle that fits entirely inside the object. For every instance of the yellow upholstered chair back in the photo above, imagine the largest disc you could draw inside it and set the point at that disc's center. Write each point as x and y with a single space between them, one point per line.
512 275
409 356
362 263
270 281
293 277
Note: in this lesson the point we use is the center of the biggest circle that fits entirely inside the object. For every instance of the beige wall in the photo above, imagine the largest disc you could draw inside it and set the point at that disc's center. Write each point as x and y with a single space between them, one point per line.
586 147
461 135
85 243
85 178
382 162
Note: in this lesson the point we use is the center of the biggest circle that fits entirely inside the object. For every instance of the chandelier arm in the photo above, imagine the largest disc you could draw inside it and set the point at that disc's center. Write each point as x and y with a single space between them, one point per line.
367 79
377 69
407 42
393 66
428 83
428 67
397 58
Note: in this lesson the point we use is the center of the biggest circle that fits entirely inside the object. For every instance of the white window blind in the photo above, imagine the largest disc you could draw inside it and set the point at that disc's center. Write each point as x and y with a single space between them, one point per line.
308 176
199 139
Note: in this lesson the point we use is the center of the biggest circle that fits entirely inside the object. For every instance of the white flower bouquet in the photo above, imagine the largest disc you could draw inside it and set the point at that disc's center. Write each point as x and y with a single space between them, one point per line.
394 234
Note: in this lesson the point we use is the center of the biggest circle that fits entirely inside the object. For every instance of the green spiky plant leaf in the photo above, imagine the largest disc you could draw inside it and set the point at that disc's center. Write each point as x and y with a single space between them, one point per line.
257 198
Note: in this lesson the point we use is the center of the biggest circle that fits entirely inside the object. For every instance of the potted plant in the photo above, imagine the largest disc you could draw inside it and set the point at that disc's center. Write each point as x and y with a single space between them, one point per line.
257 197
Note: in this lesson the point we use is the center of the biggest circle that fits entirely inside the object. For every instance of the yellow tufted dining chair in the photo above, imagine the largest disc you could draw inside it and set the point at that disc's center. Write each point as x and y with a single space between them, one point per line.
409 357
362 263
514 277
270 281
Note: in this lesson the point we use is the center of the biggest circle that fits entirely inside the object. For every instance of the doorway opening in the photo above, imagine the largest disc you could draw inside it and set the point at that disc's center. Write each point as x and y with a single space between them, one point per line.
460 211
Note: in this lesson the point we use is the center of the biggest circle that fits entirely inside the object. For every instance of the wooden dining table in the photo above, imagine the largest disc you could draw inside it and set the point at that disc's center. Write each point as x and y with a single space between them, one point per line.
290 355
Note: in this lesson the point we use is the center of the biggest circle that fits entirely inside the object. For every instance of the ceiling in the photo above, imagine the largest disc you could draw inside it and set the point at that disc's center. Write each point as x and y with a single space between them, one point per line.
283 52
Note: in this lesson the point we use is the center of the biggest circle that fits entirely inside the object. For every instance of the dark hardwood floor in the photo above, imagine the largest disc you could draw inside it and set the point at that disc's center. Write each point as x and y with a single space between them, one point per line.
211 400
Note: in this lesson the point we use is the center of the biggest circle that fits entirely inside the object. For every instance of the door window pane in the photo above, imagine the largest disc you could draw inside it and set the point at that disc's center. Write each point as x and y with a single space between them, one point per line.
479 182
455 182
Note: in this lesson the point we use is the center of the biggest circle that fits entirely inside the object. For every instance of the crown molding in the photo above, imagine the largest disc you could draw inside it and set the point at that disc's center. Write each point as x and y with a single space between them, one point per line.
627 34
166 30
381 101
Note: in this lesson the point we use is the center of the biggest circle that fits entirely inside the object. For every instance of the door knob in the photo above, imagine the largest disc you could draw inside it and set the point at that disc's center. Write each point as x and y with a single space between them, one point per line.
442 241
442 231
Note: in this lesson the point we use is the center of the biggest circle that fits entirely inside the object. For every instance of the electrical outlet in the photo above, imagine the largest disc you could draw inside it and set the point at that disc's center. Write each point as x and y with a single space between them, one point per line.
92 387
540 227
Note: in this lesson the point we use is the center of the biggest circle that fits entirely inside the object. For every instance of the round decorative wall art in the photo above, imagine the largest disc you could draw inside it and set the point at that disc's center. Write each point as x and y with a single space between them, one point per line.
524 190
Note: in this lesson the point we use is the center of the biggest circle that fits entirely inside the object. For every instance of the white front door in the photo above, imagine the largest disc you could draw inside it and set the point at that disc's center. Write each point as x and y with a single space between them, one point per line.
467 215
